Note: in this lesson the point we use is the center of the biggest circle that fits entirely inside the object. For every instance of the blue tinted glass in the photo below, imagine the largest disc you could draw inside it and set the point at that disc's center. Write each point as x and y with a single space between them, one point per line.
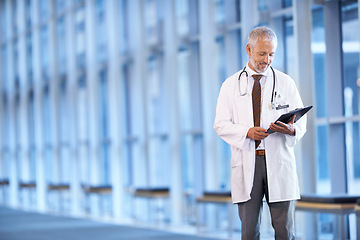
262 5
45 52
29 55
322 152
4 67
182 15
61 45
47 115
187 148
318 50
103 104
101 30
103 94
3 20
220 11
221 58
80 36
287 3
60 5
28 13
123 26
351 46
14 16
44 9
290 61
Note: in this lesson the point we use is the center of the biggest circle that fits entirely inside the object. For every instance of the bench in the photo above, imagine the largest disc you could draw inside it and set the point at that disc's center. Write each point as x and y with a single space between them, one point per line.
98 189
357 212
216 198
341 205
155 195
95 189
58 187
29 185
56 191
4 182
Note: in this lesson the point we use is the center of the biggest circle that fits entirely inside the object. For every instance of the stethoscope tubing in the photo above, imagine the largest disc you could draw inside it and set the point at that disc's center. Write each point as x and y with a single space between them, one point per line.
247 76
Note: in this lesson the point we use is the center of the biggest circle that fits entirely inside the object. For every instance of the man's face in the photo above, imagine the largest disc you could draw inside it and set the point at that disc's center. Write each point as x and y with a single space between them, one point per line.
261 55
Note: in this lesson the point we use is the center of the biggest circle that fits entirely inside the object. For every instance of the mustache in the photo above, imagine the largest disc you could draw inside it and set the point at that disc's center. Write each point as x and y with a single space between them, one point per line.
264 63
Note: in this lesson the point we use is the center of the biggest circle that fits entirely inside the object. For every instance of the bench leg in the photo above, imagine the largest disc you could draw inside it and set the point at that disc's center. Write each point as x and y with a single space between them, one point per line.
358 225
230 216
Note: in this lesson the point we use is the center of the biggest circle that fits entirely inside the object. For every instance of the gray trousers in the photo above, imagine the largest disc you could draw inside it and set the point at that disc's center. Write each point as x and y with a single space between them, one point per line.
282 213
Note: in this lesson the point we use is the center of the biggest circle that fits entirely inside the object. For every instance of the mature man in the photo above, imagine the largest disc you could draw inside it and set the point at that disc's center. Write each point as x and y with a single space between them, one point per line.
261 163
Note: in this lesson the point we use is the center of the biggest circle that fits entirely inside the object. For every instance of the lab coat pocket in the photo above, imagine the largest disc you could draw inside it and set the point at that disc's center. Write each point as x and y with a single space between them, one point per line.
236 157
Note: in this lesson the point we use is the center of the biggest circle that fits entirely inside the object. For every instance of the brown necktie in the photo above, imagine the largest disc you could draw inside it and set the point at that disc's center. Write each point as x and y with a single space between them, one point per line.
256 101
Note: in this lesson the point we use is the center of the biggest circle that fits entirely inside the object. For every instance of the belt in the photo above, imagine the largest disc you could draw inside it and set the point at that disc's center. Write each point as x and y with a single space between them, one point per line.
260 152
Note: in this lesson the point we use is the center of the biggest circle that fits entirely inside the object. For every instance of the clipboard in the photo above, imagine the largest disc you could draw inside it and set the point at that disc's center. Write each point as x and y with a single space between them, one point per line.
285 118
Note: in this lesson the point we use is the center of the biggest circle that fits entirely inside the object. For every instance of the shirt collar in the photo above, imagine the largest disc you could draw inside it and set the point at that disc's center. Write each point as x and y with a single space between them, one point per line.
252 72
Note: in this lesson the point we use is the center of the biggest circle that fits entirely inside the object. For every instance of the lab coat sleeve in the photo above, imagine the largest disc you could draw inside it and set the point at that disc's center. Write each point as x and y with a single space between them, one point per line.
232 133
300 125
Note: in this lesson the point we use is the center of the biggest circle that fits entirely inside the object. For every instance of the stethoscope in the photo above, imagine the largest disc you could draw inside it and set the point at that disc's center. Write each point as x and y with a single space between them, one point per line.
272 104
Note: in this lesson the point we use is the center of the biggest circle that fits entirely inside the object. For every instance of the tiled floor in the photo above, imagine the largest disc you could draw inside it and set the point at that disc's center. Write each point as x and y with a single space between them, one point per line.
21 225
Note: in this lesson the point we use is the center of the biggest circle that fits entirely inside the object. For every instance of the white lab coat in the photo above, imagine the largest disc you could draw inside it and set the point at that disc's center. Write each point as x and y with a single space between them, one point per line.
233 120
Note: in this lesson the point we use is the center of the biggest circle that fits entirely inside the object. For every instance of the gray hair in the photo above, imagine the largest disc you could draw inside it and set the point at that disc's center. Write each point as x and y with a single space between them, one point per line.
262 32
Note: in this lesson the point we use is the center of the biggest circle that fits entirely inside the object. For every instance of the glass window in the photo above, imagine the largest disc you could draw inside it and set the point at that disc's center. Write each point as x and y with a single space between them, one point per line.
61 45
157 123
182 17
101 33
351 48
31 135
3 21
64 132
64 113
151 21
323 180
80 36
186 125
290 56
129 139
5 133
4 67
263 5
104 132
287 3
17 118
190 113
47 115
29 56
14 17
28 7
82 115
221 59
50 170
123 25
5 160
60 6
194 17
225 154
219 11
45 53
44 10
318 52
82 125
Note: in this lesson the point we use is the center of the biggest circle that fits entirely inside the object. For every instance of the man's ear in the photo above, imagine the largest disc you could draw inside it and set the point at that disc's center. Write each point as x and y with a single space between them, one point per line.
248 49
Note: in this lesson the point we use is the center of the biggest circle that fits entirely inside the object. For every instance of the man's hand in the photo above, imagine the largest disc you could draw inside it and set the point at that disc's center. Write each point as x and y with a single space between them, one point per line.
257 133
283 127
